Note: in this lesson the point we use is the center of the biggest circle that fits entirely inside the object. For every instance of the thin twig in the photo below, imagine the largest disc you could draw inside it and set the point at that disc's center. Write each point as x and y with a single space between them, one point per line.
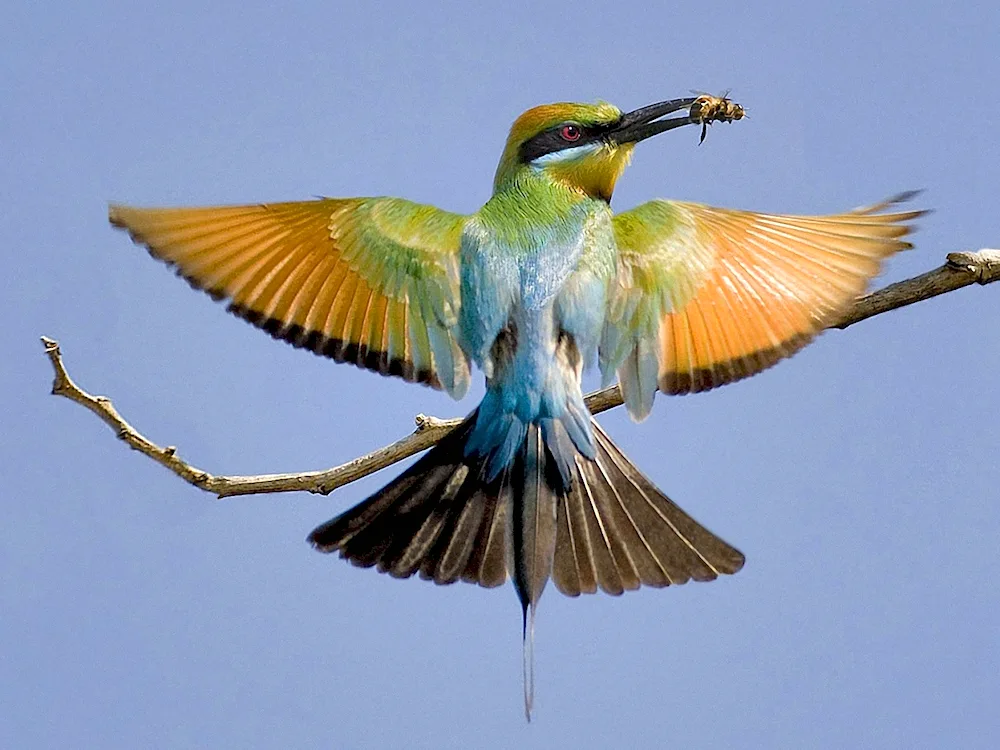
961 269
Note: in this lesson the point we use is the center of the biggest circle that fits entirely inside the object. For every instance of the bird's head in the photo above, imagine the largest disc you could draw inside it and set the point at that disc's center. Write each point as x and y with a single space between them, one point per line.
583 146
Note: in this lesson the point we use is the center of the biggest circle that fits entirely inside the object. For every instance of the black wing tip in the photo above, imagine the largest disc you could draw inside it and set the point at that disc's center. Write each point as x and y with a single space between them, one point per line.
359 355
699 380
338 350
905 196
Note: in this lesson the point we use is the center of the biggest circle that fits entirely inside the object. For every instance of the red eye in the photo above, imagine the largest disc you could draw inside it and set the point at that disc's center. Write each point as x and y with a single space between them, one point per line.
570 133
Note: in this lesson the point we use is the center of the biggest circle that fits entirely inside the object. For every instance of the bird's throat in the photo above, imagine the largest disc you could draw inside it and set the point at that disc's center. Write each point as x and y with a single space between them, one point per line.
594 174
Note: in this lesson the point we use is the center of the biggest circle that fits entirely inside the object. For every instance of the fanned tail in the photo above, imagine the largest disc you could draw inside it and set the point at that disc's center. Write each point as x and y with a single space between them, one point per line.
605 526
617 531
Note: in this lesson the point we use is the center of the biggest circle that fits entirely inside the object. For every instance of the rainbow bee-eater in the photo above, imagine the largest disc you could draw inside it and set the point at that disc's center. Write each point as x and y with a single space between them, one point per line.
540 282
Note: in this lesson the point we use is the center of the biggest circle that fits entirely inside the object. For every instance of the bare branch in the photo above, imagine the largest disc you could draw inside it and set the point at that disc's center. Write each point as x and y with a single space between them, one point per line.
960 270
63 385
429 431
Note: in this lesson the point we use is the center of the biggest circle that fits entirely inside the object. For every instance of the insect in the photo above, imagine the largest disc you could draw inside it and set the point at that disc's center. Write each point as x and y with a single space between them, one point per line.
708 109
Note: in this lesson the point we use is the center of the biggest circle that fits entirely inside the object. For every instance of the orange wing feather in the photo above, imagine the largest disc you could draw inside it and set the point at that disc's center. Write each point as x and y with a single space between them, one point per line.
359 280
727 294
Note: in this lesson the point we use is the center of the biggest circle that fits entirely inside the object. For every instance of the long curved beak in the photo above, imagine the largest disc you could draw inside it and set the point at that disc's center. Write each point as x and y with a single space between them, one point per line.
644 123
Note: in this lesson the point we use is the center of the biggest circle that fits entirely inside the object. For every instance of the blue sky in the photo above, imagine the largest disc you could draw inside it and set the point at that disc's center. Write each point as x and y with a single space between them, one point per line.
860 478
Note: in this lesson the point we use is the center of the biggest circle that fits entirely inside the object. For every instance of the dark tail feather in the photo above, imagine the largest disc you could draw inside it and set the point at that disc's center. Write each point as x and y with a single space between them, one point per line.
437 519
610 529
617 531
537 487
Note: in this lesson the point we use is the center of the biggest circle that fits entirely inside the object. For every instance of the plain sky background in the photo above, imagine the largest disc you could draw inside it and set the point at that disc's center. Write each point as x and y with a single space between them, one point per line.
860 478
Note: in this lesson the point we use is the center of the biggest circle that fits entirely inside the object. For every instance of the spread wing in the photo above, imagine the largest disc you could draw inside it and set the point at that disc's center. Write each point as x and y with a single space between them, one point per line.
706 296
369 281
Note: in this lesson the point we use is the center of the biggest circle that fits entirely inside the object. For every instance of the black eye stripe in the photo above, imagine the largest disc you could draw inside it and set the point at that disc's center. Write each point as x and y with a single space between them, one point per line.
551 140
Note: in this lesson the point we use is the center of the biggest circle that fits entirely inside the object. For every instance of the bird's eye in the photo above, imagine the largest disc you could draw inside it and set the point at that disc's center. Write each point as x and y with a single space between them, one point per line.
570 133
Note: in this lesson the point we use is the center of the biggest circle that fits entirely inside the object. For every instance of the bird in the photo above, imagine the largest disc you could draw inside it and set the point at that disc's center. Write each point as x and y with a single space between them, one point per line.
543 280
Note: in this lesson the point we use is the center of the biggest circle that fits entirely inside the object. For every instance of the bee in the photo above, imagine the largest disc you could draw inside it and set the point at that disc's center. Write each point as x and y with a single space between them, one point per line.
707 109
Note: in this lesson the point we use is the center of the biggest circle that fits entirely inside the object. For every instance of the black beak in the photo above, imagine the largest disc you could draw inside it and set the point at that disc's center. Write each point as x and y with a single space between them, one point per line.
644 123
